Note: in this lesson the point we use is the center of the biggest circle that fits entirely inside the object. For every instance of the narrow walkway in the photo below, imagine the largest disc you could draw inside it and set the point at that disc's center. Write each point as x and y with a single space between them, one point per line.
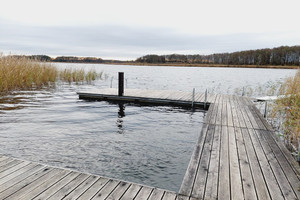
237 156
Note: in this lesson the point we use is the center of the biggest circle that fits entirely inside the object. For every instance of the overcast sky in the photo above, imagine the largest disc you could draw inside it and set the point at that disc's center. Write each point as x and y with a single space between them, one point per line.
127 29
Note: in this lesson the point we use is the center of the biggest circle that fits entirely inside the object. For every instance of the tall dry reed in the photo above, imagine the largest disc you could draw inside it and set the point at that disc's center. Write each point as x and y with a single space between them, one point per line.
22 73
288 109
79 75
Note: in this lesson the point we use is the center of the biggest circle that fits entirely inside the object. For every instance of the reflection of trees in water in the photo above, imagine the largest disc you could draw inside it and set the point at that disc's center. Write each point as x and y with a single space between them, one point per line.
121 114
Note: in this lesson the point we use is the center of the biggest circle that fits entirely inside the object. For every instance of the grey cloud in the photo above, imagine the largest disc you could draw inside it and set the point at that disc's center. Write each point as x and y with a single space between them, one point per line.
119 41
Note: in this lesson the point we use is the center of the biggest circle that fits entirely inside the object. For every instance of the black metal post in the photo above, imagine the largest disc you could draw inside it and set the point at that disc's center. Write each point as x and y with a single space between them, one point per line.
121 83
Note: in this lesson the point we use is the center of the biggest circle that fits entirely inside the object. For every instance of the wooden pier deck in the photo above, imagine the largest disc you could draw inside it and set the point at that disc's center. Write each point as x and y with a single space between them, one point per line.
237 156
23 180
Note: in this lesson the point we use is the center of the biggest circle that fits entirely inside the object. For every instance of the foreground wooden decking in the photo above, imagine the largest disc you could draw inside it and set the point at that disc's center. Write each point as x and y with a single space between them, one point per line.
26 180
237 156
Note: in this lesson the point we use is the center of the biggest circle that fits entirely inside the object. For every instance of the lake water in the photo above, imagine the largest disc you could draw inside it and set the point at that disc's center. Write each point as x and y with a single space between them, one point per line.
146 145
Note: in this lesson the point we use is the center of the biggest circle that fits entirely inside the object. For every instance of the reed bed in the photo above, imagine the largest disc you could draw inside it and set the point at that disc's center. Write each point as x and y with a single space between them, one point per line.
79 75
287 109
19 73
22 73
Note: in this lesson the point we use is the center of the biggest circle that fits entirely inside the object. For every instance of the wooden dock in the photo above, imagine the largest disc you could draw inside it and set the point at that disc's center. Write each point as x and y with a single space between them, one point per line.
152 97
23 180
237 156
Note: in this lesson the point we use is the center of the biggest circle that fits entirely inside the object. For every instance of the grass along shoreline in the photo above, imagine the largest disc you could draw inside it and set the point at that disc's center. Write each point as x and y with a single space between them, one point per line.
24 74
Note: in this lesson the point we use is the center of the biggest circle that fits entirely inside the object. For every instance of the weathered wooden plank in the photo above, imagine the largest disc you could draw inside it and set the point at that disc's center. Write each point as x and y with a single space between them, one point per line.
144 193
7 183
9 165
57 186
162 94
246 117
30 186
181 96
156 194
221 99
165 95
18 186
219 114
224 114
251 117
14 168
119 191
182 197
284 162
174 96
187 97
199 97
106 190
213 117
235 174
17 173
238 112
169 196
45 185
188 180
235 118
281 146
64 191
203 167
262 119
131 192
229 113
246 175
257 118
211 191
283 183
224 180
85 185
271 181
3 158
211 98
258 177
6 161
209 113
92 191
248 101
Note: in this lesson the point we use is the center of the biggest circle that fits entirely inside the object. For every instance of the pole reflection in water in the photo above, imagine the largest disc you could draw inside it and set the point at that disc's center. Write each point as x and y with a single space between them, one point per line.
121 114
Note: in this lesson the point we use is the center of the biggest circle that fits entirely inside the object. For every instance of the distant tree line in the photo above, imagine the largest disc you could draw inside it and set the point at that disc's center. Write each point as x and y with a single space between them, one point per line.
35 57
283 55
69 59
151 59
72 59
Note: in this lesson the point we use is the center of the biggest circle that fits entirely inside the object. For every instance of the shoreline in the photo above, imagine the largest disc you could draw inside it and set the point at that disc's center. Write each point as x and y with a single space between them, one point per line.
206 65
189 65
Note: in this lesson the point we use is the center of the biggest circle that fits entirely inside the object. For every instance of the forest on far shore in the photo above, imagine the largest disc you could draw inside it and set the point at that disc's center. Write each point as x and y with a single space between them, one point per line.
279 56
284 55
